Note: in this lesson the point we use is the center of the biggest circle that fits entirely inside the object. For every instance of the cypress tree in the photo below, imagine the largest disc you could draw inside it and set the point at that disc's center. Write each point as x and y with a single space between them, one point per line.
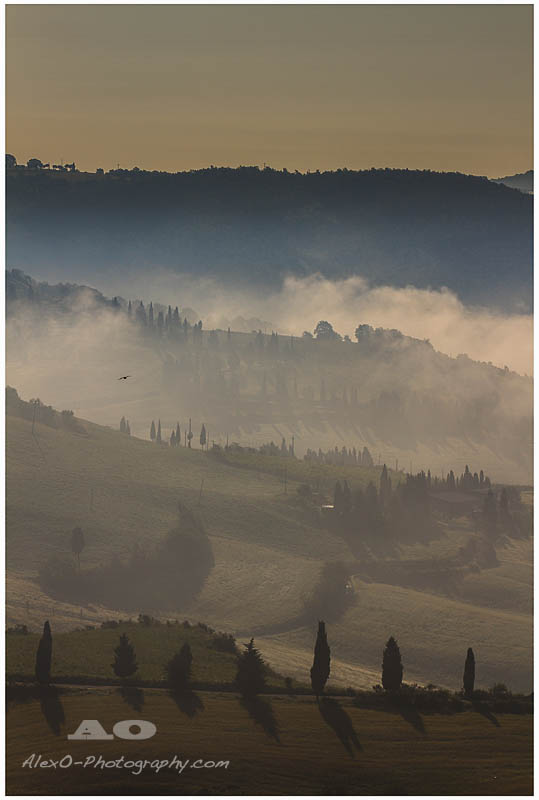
152 431
141 314
366 458
172 439
178 435
391 666
203 436
44 656
468 679
250 677
385 487
125 662
122 425
178 669
158 435
127 427
321 663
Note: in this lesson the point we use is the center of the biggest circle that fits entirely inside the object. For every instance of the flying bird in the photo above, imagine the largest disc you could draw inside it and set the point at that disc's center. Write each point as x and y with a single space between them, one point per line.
125 377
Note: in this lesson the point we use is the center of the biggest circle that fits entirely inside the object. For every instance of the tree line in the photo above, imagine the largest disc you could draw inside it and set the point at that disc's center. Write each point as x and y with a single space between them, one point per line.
251 669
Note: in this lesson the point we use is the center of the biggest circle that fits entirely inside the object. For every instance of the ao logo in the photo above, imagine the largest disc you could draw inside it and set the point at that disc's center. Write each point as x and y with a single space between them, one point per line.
134 729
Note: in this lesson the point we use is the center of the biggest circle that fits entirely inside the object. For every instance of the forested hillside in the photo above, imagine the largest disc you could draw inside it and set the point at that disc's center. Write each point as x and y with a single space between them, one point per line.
392 393
245 225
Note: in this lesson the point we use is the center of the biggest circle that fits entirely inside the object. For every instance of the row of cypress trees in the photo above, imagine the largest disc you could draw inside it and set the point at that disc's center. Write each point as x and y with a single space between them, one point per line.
392 669
251 668
250 676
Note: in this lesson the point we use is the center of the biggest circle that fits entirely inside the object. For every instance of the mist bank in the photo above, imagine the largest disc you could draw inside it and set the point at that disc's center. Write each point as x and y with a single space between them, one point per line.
298 304
393 393
251 227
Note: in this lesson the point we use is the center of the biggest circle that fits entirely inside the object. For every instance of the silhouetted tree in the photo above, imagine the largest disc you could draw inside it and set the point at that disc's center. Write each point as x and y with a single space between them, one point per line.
172 439
158 434
125 662
321 664
178 669
141 314
11 161
160 323
178 435
468 679
190 434
122 425
324 330
127 427
203 436
152 431
385 487
251 674
44 656
391 666
366 458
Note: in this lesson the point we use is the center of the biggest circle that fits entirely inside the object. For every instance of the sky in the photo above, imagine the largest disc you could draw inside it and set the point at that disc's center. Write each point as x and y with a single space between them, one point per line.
176 87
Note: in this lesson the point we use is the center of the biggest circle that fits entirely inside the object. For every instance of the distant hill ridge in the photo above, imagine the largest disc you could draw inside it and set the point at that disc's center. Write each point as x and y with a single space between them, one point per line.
523 181
251 226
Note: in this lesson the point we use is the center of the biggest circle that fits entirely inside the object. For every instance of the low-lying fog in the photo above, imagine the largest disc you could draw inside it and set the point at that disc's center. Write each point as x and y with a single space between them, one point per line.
72 360
439 316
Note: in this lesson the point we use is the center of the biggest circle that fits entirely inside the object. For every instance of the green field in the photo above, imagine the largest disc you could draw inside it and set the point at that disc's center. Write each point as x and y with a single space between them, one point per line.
286 746
268 552
87 654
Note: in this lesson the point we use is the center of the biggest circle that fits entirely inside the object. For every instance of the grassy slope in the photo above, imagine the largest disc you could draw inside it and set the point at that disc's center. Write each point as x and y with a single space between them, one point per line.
267 557
394 757
89 653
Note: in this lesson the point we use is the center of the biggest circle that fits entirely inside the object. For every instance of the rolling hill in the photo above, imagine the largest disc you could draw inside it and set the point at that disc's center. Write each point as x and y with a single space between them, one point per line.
268 552
523 181
247 227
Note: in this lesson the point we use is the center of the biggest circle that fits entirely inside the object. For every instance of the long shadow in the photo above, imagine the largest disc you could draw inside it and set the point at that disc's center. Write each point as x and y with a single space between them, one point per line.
484 710
412 715
261 711
133 696
17 695
52 708
49 701
188 702
337 718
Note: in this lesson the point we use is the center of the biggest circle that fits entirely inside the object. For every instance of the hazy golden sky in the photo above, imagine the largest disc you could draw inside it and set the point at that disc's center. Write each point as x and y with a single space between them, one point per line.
297 86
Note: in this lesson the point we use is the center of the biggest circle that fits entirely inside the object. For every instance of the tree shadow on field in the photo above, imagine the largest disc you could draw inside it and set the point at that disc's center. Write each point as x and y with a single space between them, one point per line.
52 708
261 711
485 711
412 715
188 702
336 717
133 696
